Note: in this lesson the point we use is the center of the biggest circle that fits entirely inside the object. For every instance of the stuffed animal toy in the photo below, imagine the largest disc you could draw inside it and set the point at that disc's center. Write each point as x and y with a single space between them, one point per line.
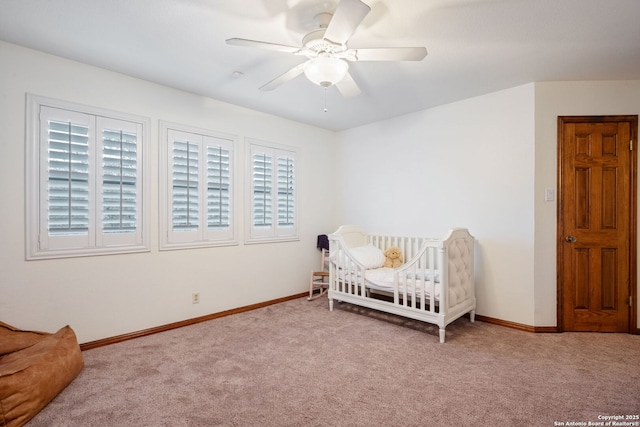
394 257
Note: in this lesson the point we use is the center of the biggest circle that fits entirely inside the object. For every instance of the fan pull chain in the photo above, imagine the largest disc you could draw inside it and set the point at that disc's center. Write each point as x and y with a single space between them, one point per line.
325 99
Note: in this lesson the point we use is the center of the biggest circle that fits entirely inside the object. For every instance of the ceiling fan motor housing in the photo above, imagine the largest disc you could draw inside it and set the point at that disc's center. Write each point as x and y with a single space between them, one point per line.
315 43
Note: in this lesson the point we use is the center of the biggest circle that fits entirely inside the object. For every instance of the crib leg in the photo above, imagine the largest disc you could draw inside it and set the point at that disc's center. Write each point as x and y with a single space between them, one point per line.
441 335
330 304
472 316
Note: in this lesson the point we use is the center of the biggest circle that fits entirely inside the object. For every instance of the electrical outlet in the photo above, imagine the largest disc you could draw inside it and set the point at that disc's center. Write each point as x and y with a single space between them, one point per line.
195 298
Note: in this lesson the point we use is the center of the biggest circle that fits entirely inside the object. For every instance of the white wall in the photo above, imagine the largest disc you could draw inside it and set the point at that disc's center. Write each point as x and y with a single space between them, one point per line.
467 164
105 296
482 163
555 99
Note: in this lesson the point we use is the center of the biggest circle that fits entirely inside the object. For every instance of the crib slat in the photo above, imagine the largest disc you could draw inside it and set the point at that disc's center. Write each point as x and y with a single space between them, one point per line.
432 273
422 265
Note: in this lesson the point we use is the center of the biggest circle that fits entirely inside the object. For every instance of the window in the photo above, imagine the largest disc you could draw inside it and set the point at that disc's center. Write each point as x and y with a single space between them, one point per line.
85 180
272 199
197 188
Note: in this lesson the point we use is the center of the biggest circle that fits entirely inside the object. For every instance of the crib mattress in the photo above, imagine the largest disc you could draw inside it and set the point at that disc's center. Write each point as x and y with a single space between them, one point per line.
382 279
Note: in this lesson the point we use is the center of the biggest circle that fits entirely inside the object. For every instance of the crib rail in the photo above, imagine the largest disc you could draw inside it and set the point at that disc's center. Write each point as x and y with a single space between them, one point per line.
422 265
413 283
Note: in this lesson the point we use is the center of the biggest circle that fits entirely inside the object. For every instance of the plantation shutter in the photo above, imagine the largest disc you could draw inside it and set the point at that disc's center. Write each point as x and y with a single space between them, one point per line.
119 156
262 190
119 181
89 192
286 202
218 187
185 201
199 188
68 178
273 193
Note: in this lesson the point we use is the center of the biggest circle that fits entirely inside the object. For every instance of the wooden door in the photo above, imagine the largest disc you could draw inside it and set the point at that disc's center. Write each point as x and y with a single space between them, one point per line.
596 222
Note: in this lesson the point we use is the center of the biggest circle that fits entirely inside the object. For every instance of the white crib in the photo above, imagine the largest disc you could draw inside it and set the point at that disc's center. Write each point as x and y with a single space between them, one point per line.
435 284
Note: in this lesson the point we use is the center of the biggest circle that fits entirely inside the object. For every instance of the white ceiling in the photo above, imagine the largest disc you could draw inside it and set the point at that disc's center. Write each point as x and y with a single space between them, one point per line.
475 47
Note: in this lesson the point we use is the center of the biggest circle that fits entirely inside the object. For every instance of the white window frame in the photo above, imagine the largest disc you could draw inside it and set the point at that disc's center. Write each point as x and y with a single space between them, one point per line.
40 244
274 232
200 235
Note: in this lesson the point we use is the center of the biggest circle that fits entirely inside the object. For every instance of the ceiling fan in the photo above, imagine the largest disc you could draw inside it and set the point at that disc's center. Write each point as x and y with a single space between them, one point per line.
327 52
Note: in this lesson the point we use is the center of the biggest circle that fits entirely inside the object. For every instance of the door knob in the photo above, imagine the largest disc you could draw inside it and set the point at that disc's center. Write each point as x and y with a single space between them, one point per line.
571 239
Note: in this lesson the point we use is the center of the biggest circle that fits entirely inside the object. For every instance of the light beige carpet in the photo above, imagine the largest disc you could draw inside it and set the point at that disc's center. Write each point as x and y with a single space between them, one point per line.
297 364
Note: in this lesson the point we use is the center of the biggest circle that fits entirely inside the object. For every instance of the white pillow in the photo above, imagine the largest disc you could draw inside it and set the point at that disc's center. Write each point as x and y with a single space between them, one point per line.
369 256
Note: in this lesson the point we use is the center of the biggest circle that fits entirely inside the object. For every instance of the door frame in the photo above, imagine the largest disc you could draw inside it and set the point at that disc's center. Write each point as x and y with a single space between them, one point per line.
633 214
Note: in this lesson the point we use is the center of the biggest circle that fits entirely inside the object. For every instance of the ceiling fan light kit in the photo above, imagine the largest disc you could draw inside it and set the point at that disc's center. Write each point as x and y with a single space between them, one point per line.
327 53
325 70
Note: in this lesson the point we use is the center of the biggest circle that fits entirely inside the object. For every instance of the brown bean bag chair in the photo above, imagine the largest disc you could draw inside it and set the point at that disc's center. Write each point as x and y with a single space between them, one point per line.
34 368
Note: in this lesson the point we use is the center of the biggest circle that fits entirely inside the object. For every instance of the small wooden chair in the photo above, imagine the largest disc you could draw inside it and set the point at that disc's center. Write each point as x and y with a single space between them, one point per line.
319 283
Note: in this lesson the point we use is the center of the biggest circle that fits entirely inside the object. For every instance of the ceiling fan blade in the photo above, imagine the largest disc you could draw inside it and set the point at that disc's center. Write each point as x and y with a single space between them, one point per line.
289 75
345 20
348 87
389 54
262 45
